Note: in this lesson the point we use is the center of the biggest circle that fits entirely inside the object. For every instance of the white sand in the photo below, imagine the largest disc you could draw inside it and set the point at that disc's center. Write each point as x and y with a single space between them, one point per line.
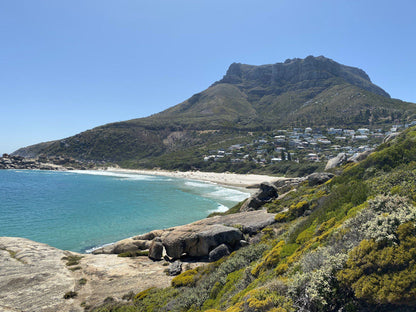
230 179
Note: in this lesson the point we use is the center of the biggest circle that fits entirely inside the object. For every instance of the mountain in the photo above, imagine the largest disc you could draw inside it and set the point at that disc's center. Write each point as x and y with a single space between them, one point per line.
315 91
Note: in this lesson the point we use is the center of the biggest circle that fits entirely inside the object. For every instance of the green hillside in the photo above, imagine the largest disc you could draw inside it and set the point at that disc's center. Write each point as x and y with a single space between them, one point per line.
310 92
346 245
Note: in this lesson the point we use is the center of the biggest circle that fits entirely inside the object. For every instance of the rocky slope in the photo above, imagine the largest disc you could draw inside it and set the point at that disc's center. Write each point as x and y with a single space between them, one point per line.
37 277
314 91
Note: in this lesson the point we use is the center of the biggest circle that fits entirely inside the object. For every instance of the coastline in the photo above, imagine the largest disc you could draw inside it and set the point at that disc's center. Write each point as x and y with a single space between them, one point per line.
248 181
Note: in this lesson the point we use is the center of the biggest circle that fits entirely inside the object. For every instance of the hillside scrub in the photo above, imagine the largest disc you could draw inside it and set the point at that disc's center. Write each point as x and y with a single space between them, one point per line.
346 245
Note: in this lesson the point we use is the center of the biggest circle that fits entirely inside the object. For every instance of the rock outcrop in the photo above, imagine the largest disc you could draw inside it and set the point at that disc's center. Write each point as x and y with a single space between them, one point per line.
265 194
337 161
125 245
219 252
197 239
40 163
175 268
35 277
318 178
156 249
357 157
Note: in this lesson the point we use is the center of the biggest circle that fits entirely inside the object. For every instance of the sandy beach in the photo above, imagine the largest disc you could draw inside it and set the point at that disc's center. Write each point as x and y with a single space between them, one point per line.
229 179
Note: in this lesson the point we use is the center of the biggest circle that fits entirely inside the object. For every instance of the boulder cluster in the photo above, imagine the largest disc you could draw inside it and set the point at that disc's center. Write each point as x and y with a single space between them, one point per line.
270 191
210 238
41 163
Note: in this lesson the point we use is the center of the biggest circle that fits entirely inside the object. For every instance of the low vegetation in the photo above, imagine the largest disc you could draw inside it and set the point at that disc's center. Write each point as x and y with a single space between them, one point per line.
346 245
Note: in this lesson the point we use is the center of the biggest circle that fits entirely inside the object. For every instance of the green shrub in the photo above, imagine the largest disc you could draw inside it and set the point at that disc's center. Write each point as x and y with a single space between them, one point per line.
72 259
383 274
136 253
186 278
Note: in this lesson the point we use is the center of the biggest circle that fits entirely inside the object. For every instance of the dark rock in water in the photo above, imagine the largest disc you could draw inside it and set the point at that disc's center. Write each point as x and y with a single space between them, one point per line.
219 252
266 193
337 161
318 178
156 249
175 268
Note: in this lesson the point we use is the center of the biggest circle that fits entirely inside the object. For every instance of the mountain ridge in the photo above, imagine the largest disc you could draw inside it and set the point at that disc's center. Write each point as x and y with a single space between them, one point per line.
315 91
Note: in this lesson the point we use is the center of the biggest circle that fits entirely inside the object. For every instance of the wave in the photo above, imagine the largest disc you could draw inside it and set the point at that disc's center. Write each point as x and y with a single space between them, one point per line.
90 250
129 176
220 208
228 194
198 184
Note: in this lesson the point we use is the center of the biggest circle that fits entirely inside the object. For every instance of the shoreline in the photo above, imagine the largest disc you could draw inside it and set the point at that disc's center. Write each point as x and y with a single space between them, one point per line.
247 181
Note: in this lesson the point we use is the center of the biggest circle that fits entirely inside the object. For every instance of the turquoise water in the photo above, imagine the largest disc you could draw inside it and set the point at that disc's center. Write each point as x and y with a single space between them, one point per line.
82 210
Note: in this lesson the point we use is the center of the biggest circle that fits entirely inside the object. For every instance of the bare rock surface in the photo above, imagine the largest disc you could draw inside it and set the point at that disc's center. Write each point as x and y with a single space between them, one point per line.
34 277
266 193
197 241
125 245
219 252
319 178
337 161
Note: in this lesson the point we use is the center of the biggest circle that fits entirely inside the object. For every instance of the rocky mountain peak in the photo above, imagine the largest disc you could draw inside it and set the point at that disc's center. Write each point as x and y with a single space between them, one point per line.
297 70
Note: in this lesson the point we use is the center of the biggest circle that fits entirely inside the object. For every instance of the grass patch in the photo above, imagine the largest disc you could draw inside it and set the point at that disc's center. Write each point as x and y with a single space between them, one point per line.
72 259
133 254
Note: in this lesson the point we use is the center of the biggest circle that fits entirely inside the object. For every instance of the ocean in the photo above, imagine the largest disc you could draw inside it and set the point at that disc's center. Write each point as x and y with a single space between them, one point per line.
82 210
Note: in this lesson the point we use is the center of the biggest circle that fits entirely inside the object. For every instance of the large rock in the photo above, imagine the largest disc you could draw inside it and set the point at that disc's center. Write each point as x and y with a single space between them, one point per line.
219 252
337 161
156 249
265 194
199 238
125 245
318 178
359 156
175 268
197 241
35 277
32 276
285 185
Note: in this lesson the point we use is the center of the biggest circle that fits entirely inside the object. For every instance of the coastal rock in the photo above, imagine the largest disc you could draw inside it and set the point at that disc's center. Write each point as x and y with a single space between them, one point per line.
197 241
32 276
319 178
266 193
175 268
337 161
219 252
150 235
285 185
156 249
199 238
35 277
125 245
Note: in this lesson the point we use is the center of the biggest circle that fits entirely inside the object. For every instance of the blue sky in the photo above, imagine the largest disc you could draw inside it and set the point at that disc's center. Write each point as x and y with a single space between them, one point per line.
68 66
